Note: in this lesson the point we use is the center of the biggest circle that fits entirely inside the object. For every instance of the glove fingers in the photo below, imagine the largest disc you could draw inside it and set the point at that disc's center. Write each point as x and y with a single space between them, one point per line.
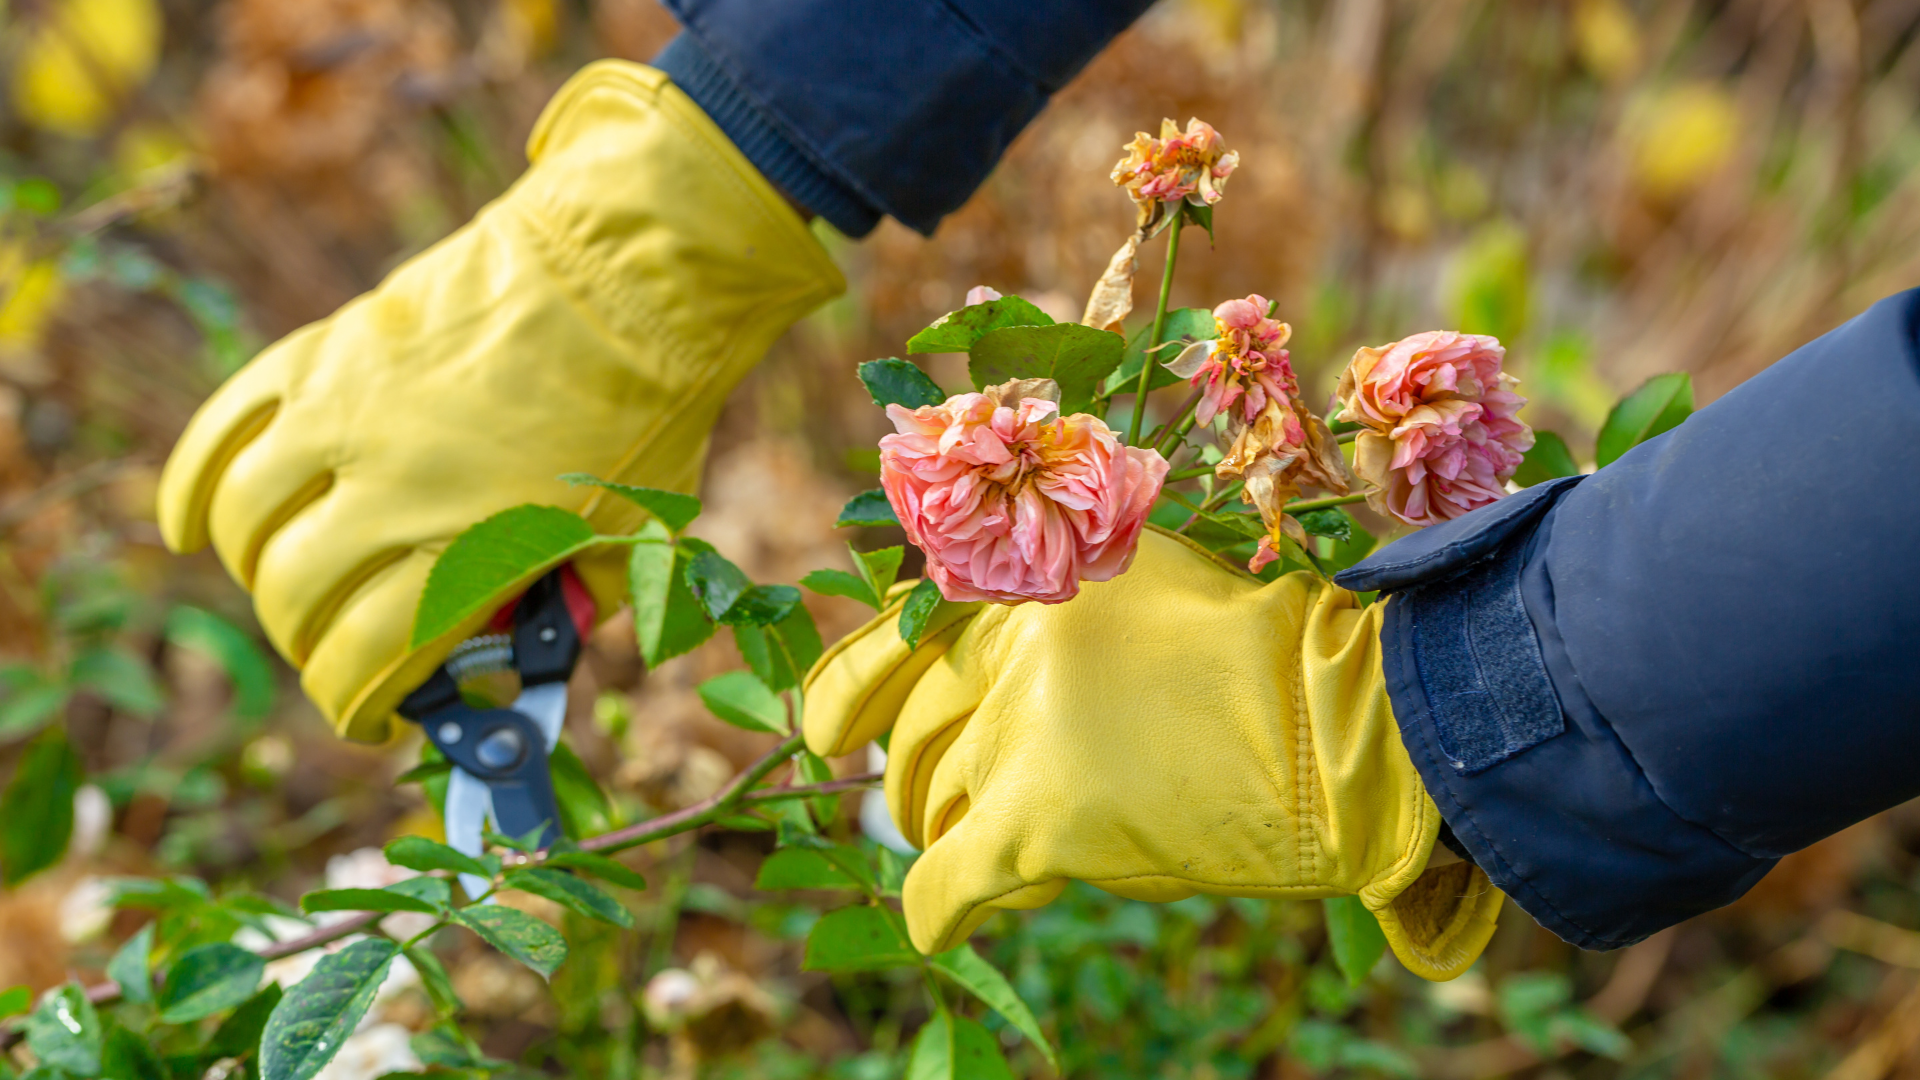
225 424
967 875
360 667
857 687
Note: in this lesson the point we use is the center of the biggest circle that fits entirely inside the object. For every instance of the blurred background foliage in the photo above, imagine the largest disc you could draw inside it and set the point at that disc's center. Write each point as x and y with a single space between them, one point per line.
1616 188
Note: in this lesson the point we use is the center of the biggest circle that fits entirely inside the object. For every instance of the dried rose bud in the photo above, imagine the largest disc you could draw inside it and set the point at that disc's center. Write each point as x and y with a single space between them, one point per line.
1162 173
1442 434
1012 502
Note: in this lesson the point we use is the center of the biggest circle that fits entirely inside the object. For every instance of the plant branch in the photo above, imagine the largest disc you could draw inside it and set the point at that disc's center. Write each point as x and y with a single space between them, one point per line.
108 992
699 813
1348 436
1159 327
1305 505
1194 473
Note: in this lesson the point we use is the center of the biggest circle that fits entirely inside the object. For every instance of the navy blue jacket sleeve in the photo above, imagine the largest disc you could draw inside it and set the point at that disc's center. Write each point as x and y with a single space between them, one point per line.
864 108
1631 693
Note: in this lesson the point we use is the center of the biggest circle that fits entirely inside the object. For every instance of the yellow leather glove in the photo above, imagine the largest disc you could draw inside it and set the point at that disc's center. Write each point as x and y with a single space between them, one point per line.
592 319
1180 729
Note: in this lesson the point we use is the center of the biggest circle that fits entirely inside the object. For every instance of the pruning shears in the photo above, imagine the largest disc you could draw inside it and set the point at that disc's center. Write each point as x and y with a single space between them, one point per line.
500 756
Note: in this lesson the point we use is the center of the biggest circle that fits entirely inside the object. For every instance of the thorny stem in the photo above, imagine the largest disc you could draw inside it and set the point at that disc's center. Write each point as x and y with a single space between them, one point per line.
1159 326
1179 434
1187 406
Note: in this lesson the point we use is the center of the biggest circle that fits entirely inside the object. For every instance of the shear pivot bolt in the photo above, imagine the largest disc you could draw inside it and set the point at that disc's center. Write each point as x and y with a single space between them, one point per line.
549 635
450 732
501 749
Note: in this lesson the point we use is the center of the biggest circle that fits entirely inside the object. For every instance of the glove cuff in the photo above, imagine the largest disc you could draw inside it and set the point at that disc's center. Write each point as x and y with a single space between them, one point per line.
1442 922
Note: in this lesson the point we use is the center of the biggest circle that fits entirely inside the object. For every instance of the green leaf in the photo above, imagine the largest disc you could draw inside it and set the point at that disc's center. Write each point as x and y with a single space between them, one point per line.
878 568
1184 327
984 981
861 938
123 680
64 1032
599 866
1528 1002
741 699
1590 1033
802 639
317 1015
365 900
518 934
676 510
731 598
239 1034
585 810
435 980
894 381
955 1048
234 650
1488 285
1548 460
36 810
207 980
956 331
126 1056
667 617
571 893
867 508
15 1001
1200 214
30 703
1331 522
1077 357
920 605
172 894
425 771
130 968
1658 406
422 854
841 583
492 560
800 868
1354 936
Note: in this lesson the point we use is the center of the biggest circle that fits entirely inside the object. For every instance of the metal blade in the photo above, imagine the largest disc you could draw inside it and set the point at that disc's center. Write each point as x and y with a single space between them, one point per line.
468 806
546 704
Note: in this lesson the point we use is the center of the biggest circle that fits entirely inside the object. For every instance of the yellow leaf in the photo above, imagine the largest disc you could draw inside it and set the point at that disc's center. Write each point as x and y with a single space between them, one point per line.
29 292
80 58
1607 38
1680 137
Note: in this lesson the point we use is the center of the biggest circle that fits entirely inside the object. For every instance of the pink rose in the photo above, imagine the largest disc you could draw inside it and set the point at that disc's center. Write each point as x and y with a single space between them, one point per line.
1247 362
980 294
1163 172
1443 436
1012 502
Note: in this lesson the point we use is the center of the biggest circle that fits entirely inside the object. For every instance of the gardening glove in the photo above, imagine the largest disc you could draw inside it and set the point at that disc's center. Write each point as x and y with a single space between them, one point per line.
592 319
1180 729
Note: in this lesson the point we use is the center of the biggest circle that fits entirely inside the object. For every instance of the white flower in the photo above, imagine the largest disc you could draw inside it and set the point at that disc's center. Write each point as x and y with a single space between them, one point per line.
85 911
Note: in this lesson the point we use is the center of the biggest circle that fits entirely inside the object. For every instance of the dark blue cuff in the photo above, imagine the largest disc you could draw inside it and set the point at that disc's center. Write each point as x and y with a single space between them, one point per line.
777 158
866 107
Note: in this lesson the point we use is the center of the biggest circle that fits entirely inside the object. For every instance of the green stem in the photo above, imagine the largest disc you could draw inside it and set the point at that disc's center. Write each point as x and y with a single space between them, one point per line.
1348 436
1179 435
700 813
1159 327
1321 504
1190 474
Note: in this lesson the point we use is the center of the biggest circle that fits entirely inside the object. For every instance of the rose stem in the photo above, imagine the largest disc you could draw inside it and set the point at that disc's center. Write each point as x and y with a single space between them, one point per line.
1322 504
1186 407
1348 436
1194 473
1179 434
1159 325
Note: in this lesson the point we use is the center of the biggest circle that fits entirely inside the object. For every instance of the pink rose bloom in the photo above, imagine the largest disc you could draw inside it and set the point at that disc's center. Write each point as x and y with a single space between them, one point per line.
1443 435
1011 502
1245 363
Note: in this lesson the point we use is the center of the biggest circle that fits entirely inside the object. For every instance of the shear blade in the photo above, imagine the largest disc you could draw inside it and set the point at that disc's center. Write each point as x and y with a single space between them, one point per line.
468 806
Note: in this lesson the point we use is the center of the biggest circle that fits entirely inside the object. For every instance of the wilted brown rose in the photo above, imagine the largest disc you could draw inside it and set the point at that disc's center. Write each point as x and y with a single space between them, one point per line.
1285 449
